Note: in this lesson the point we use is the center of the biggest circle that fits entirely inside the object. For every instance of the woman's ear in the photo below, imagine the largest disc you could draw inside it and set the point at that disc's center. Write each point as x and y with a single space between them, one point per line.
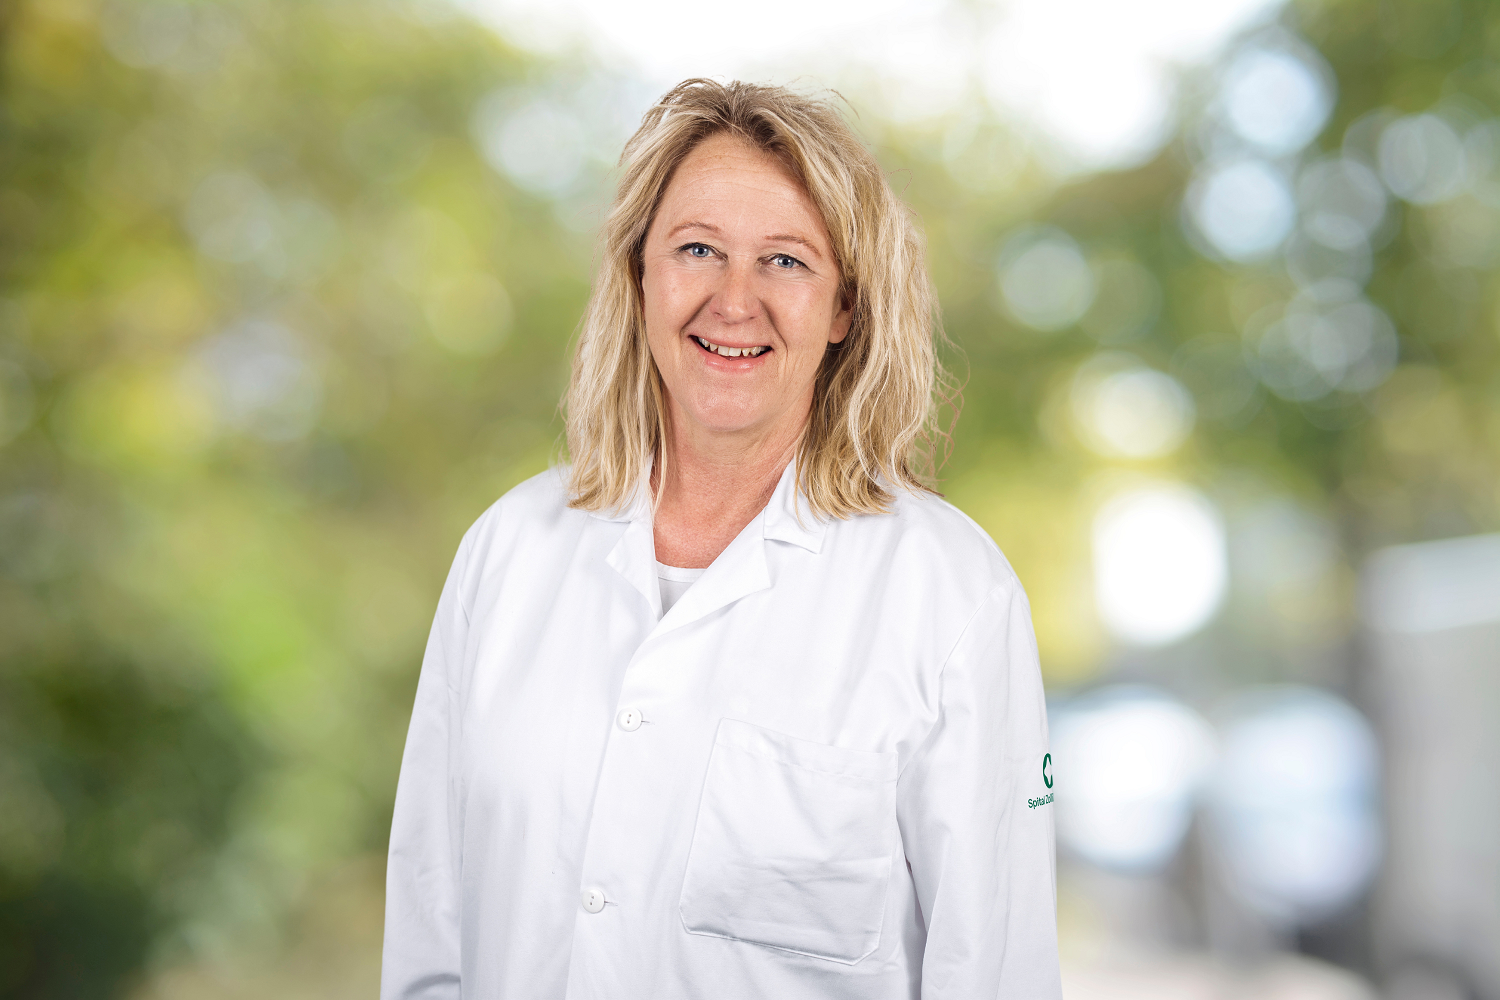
839 328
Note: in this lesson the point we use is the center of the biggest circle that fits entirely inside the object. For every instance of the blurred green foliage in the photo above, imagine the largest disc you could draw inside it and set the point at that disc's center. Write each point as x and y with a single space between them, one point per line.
274 330
117 788
260 371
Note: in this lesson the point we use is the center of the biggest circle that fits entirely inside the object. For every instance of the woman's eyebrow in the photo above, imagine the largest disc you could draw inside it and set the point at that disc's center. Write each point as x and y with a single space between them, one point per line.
793 238
694 225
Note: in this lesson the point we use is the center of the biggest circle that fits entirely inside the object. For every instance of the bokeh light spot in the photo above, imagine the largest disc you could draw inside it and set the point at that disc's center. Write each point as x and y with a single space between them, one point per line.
1482 161
1129 763
1044 279
145 33
1128 410
231 216
538 145
1342 202
1293 802
264 380
1312 351
1422 159
1277 97
1159 563
1244 209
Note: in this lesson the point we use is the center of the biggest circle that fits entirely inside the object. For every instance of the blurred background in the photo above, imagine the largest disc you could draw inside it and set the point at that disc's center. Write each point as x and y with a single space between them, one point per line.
285 293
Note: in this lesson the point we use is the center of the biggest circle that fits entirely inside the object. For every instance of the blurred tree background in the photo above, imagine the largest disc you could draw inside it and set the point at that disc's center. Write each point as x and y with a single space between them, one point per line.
285 294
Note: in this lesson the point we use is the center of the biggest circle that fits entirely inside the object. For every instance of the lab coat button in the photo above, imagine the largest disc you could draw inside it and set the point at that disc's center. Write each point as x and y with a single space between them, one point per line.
630 719
593 900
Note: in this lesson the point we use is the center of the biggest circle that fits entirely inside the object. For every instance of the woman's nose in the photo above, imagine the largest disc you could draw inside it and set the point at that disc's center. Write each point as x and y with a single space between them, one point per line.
734 300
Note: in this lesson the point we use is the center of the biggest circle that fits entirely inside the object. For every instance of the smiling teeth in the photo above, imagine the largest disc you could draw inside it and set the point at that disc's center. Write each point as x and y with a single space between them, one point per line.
732 352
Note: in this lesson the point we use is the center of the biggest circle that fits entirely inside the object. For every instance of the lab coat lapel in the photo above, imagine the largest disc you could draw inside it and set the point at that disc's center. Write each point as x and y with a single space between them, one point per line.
789 518
634 555
742 568
739 570
634 558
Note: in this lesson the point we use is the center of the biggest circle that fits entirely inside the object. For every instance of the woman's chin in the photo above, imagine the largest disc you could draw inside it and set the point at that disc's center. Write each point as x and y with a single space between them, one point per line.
709 410
723 419
726 425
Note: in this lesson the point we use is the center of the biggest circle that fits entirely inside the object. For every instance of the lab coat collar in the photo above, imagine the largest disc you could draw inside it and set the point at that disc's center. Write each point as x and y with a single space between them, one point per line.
739 570
637 507
788 516
634 555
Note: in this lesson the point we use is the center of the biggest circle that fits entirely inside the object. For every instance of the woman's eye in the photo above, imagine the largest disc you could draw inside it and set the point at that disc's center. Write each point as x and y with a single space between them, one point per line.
699 250
786 261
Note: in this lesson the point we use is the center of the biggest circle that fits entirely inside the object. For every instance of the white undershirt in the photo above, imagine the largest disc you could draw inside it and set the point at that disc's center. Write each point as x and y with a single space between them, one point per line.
675 582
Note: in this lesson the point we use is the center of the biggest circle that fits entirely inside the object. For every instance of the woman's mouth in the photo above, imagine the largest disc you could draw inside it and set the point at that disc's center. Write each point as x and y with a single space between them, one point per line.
729 352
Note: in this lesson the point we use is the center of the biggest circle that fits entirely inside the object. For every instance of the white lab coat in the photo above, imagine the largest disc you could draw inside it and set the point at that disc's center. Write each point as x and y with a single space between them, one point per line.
822 774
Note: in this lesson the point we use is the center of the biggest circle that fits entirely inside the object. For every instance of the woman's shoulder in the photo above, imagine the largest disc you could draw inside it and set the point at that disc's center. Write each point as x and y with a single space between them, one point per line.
929 530
537 505
545 493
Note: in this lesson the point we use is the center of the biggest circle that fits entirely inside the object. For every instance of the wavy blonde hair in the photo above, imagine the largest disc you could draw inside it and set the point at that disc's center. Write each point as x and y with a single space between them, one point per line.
874 419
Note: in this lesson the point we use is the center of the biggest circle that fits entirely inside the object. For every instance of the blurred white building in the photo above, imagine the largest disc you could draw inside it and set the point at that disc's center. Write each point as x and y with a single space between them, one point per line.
1433 615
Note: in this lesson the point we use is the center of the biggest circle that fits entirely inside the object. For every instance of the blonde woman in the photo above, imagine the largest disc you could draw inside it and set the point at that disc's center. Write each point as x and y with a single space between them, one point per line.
733 706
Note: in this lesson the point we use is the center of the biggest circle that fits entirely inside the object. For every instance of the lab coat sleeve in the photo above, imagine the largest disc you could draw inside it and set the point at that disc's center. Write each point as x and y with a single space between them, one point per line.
421 953
976 818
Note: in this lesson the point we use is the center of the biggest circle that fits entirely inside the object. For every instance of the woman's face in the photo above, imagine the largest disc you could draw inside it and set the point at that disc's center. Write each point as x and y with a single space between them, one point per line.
741 292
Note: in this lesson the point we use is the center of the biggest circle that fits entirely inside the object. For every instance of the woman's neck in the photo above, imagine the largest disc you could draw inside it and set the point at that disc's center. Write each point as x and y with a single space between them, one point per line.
713 488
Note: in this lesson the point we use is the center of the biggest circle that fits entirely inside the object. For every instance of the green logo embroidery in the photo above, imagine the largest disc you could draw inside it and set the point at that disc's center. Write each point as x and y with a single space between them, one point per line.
1047 778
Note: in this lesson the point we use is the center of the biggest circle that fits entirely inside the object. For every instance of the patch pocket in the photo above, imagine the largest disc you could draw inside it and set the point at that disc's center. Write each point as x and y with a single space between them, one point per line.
792 848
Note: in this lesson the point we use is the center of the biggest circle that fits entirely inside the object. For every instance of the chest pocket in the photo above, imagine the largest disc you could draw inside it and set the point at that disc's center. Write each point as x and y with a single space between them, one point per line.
793 844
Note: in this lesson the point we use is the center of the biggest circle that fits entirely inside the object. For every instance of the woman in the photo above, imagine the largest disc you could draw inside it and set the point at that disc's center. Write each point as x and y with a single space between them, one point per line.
732 706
